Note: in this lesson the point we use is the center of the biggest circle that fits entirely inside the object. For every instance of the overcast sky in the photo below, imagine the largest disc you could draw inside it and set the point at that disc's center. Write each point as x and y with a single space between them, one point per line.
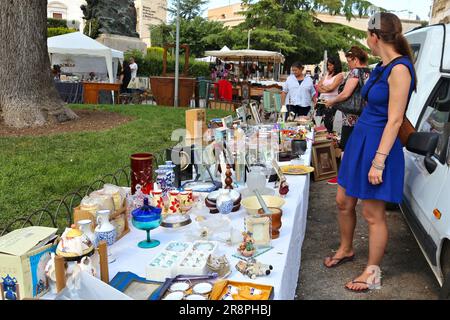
416 7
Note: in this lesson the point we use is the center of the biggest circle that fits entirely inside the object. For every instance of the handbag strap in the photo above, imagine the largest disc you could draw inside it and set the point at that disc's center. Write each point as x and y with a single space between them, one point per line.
366 96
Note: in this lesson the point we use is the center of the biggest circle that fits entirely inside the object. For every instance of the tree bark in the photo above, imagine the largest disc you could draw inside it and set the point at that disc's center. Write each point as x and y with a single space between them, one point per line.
28 97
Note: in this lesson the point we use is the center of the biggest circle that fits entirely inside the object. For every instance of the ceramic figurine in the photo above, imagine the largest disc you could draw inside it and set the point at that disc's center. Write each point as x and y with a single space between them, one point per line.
247 247
105 231
50 273
253 268
224 202
86 265
219 265
10 288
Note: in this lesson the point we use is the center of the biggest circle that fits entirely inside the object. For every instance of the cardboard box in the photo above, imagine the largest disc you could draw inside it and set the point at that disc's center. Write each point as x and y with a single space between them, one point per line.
24 253
195 124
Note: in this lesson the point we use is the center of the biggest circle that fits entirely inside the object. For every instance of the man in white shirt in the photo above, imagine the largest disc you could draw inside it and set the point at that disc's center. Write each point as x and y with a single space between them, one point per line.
134 68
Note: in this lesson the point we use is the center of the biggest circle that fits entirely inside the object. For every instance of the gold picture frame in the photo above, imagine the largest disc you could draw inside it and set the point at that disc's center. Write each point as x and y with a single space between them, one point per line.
324 161
261 229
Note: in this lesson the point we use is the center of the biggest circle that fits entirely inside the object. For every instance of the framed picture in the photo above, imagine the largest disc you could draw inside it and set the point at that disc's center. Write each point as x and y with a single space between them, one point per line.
260 227
136 287
255 113
324 161
227 122
242 114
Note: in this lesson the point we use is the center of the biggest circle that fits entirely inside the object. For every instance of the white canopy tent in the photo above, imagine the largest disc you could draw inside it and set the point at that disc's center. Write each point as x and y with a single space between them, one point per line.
247 55
81 54
212 59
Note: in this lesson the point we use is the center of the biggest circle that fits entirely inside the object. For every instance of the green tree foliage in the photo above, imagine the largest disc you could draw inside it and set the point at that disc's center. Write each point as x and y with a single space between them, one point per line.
189 9
52 32
152 64
309 37
56 23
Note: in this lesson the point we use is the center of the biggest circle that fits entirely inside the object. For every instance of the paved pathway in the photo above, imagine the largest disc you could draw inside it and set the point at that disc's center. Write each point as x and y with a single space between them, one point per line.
406 274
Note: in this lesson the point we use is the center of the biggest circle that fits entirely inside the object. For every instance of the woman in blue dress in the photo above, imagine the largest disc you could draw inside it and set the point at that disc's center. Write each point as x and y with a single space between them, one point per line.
372 168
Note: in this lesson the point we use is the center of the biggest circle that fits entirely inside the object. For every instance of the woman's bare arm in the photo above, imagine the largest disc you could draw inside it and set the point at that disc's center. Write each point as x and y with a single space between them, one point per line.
349 88
399 86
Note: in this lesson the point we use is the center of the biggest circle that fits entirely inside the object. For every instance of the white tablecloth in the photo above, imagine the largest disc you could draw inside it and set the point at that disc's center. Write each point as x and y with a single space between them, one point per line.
285 256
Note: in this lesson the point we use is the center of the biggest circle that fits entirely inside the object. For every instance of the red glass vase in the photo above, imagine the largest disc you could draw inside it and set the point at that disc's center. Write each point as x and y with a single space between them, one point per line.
142 172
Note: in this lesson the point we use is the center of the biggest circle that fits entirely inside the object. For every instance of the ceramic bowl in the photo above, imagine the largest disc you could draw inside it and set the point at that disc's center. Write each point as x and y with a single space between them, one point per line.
251 204
235 195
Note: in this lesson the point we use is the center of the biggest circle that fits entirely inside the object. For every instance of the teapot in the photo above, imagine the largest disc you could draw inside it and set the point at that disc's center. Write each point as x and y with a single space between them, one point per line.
74 244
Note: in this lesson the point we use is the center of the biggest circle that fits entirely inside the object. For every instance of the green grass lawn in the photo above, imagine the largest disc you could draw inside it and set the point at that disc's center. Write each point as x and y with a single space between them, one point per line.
35 170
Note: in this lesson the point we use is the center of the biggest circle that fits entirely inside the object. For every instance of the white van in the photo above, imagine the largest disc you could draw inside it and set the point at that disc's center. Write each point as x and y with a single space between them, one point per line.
426 205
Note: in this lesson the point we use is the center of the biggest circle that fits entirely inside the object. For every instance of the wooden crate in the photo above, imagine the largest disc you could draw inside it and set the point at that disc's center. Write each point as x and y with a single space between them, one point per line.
119 217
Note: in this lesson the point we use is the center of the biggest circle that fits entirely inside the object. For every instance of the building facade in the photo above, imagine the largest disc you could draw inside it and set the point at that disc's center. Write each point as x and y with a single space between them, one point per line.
440 12
149 13
232 15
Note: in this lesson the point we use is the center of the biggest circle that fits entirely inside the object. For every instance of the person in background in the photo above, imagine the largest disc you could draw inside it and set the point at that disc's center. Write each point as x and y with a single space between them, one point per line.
301 91
316 74
357 60
328 88
213 74
125 77
373 167
134 68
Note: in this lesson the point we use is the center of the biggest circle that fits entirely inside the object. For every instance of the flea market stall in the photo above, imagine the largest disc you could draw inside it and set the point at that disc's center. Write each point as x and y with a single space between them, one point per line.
223 218
83 60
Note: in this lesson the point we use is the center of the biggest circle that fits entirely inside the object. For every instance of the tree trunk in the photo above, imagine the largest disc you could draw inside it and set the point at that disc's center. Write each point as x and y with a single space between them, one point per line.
28 97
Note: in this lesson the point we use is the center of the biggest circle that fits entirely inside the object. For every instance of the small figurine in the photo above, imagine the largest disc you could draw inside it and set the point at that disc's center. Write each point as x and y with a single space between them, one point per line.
284 188
247 247
219 265
253 268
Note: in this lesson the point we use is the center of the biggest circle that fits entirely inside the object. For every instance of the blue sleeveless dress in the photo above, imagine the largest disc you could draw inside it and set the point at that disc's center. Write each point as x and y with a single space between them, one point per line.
364 142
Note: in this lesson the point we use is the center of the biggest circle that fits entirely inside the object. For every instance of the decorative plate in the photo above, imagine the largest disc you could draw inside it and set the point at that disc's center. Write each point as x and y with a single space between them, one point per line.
179 295
203 288
179 286
195 297
296 169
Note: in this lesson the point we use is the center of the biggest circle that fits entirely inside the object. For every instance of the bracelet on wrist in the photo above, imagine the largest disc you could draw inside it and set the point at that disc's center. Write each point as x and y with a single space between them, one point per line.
383 154
378 166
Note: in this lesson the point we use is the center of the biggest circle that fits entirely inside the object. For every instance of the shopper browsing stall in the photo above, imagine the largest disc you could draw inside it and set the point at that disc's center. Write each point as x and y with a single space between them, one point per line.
299 91
328 88
357 60
373 166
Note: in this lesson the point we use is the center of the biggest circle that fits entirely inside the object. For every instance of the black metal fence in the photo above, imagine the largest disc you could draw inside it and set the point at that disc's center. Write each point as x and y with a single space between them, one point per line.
59 213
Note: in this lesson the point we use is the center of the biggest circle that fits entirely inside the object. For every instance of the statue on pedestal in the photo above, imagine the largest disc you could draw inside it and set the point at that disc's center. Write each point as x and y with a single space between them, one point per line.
117 17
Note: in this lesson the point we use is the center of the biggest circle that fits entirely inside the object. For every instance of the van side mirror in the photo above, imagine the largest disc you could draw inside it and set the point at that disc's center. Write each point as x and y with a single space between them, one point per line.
424 144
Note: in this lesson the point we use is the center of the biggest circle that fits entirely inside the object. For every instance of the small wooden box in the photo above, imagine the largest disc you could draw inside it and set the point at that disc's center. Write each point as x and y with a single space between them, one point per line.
119 219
